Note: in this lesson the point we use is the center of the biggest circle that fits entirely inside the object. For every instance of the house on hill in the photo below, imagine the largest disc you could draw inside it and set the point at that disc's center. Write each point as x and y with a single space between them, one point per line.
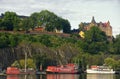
105 27
41 29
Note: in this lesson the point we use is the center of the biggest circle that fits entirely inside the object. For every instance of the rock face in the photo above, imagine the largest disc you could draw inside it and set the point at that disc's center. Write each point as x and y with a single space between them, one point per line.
7 56
62 55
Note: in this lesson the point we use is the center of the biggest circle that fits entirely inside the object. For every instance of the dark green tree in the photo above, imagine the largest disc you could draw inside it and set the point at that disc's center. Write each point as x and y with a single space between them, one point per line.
34 20
95 41
3 40
13 40
10 21
26 24
117 44
50 21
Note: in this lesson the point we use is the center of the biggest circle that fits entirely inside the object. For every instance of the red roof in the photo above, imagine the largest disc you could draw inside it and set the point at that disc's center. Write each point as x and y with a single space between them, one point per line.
39 29
105 24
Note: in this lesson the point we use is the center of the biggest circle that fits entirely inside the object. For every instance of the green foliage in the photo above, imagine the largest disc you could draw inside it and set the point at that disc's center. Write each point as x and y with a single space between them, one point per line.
45 18
16 64
115 64
8 40
110 62
95 41
9 21
30 63
94 49
13 40
50 21
25 24
81 60
39 60
117 44
3 40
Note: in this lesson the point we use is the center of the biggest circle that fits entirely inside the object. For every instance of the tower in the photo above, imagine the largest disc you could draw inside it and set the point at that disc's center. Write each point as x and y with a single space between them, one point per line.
93 20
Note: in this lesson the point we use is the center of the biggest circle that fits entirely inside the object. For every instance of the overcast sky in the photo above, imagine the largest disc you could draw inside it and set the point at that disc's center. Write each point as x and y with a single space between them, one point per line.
75 11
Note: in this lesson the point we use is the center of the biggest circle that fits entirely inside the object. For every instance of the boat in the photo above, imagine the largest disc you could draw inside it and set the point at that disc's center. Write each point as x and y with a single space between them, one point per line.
16 71
65 69
100 70
12 70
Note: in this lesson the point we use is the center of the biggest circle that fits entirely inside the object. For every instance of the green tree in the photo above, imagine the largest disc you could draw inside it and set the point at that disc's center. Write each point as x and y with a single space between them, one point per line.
30 63
10 21
110 62
66 26
50 21
26 24
40 60
95 41
4 41
116 44
34 20
13 40
44 39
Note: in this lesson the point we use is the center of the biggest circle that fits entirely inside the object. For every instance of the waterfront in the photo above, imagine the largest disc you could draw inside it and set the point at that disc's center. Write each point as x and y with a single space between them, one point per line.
63 76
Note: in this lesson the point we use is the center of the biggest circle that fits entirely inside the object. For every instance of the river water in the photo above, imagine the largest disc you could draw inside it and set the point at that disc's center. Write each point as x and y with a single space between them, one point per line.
63 76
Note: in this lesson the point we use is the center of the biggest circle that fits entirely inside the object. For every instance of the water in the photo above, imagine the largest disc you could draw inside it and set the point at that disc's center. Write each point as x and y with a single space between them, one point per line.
63 76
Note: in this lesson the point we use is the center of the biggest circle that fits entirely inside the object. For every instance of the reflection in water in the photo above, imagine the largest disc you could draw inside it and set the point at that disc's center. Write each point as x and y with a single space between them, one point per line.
100 76
41 77
12 77
21 77
63 76
2 77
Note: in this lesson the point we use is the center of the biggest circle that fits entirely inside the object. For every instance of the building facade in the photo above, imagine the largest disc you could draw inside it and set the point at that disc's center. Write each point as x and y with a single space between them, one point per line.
105 27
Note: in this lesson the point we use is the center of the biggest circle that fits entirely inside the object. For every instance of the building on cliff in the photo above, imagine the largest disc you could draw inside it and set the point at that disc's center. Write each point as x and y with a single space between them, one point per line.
105 27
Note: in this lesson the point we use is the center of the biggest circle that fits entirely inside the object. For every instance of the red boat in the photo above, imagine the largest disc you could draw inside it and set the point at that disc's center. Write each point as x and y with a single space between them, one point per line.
68 69
13 70
17 71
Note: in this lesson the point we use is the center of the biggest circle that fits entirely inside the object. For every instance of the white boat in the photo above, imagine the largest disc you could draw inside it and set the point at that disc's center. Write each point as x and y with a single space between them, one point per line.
100 70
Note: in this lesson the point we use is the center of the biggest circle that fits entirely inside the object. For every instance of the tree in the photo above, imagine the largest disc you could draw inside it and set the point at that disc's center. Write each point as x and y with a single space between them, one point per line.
26 24
34 20
116 44
10 21
66 26
0 23
110 62
30 63
50 21
4 41
95 41
13 40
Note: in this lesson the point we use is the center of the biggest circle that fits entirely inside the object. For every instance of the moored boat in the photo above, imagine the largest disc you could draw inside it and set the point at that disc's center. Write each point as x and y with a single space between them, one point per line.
12 70
100 70
17 71
66 69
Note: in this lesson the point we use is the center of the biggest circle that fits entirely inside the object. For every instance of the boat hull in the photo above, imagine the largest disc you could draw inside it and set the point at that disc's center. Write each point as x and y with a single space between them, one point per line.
90 71
66 69
50 72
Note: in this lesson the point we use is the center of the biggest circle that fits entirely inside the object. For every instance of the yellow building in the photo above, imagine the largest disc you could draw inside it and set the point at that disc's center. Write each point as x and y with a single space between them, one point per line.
82 34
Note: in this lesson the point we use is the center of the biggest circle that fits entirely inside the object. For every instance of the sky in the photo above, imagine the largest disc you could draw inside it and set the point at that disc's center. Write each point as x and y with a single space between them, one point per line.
75 11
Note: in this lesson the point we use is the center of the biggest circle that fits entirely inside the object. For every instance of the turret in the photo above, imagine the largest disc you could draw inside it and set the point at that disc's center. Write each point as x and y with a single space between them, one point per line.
108 23
93 20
